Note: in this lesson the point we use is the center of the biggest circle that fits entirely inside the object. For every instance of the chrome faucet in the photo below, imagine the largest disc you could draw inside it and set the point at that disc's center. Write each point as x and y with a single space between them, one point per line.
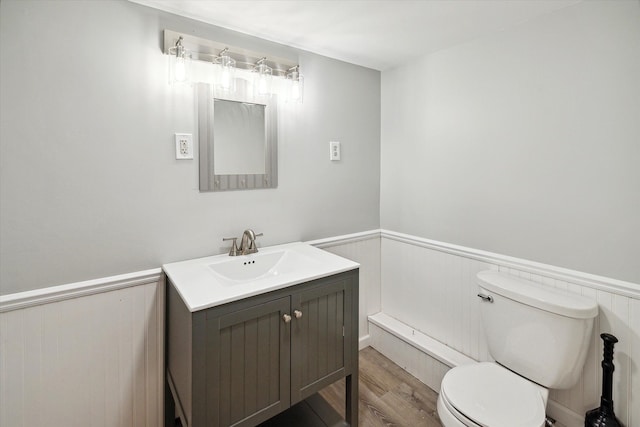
247 243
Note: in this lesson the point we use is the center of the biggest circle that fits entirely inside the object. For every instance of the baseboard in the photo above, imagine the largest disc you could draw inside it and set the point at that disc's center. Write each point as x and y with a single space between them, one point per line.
364 342
422 342
425 368
564 416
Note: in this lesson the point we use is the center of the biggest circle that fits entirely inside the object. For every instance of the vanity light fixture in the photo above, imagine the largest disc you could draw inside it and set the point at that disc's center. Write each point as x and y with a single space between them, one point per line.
179 63
227 60
294 85
225 71
262 77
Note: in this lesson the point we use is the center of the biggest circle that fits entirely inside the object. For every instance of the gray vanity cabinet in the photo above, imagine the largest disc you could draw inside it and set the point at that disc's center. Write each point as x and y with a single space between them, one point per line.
241 363
318 338
251 350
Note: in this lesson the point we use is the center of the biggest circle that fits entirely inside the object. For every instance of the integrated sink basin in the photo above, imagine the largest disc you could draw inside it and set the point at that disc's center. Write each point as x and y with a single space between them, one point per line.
242 269
212 281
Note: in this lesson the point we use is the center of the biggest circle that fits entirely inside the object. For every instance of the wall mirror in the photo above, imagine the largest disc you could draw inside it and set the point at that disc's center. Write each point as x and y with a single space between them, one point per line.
237 141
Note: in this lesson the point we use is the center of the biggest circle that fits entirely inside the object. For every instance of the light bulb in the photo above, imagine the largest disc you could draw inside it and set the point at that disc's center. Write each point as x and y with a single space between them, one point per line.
225 79
295 91
262 78
179 64
295 85
224 73
262 85
181 70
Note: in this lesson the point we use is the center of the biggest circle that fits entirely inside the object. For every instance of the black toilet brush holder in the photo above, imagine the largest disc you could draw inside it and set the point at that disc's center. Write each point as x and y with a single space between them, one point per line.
604 415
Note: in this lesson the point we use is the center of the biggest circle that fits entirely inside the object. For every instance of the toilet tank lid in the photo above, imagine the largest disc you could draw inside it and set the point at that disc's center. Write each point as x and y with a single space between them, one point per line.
535 295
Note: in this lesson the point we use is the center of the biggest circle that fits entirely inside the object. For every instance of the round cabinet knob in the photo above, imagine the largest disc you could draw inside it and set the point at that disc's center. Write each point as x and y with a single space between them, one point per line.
297 313
286 318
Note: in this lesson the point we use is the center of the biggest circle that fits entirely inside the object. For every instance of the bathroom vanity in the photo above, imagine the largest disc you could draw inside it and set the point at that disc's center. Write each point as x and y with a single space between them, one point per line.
250 337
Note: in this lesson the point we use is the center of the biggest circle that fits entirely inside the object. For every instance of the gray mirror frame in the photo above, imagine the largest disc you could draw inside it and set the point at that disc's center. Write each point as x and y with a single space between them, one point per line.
209 180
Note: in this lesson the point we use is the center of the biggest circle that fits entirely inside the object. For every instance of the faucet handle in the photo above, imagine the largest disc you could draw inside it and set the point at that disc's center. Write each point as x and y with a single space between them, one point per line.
234 245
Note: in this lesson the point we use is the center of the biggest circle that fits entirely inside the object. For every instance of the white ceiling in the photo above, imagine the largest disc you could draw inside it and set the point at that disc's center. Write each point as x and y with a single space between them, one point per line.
373 33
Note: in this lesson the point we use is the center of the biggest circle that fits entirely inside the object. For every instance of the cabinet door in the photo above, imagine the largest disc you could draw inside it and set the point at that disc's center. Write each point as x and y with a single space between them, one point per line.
248 357
318 337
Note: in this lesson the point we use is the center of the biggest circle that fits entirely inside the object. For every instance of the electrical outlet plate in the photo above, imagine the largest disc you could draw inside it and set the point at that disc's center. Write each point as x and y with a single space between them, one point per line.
184 146
334 151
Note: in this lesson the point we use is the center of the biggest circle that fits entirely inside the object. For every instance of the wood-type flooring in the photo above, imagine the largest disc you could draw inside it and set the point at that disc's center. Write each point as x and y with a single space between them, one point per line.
388 395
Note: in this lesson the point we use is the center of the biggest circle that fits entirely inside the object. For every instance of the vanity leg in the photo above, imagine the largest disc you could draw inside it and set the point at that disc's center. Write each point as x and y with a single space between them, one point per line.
351 401
351 382
169 407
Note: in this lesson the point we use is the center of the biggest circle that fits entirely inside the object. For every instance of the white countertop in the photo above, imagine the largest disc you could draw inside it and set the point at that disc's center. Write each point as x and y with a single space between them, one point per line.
201 287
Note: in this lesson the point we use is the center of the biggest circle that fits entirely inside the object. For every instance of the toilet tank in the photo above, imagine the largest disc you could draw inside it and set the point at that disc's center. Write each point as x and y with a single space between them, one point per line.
538 332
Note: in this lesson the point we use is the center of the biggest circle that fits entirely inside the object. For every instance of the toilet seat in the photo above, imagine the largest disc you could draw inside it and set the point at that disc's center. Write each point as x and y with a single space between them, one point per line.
449 416
489 395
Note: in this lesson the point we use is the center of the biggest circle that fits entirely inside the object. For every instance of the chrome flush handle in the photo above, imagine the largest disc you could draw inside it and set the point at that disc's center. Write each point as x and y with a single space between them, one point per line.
487 298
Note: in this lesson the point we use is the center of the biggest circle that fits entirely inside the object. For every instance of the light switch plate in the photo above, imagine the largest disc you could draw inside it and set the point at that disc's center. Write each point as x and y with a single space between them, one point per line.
184 146
334 150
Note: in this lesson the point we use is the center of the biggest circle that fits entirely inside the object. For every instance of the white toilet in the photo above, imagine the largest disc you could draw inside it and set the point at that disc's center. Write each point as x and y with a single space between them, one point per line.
538 337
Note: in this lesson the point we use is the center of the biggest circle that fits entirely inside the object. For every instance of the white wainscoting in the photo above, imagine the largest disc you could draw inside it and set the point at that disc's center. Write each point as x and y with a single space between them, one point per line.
431 287
84 354
92 353
363 248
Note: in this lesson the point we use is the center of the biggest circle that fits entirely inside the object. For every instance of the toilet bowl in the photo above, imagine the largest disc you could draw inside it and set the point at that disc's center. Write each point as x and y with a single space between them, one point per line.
489 395
538 337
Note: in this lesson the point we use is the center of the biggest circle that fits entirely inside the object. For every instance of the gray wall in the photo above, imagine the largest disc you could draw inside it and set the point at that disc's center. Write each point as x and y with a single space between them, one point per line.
89 182
524 143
